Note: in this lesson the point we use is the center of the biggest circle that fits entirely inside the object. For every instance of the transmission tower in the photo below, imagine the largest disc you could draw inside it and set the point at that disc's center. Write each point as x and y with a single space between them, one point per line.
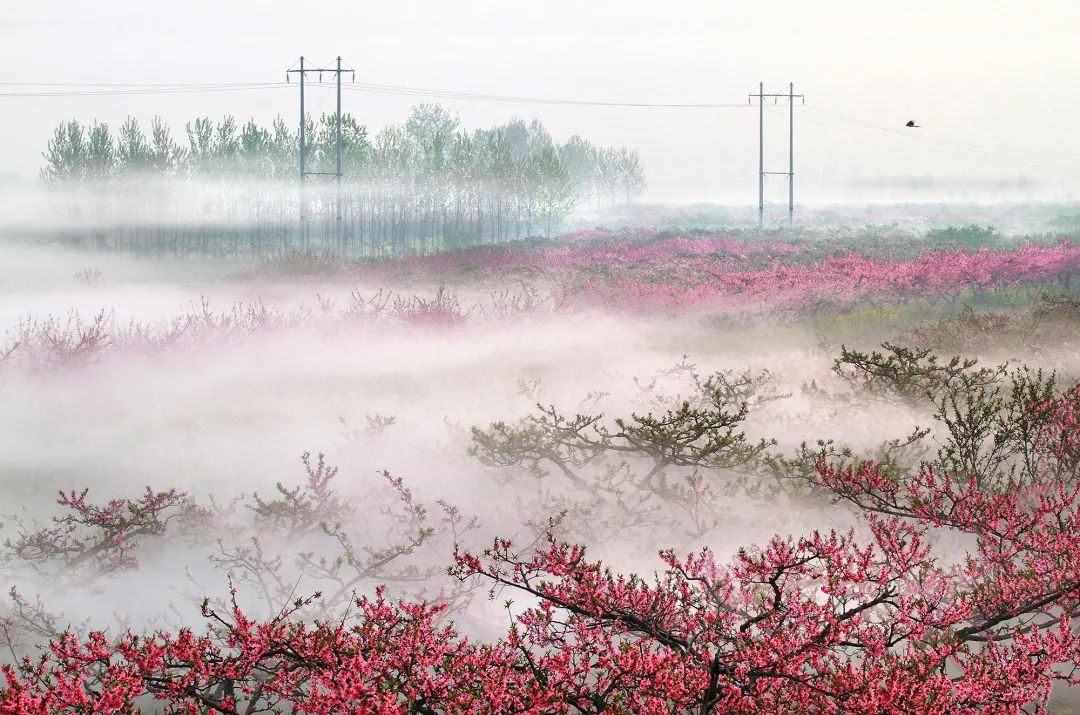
337 71
790 173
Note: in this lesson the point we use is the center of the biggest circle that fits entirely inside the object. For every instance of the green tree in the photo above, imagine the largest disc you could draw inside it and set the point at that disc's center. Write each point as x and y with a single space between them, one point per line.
555 191
133 152
579 157
631 173
200 153
65 156
254 153
100 162
165 155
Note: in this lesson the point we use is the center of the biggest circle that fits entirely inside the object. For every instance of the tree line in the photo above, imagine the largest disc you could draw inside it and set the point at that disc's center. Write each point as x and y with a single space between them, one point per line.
426 184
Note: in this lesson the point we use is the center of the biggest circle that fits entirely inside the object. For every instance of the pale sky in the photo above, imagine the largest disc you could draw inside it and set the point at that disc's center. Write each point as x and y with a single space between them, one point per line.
999 75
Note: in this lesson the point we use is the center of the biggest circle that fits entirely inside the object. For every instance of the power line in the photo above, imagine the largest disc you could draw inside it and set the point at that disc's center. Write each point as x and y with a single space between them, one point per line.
939 140
108 89
910 140
474 96
913 142
144 91
126 84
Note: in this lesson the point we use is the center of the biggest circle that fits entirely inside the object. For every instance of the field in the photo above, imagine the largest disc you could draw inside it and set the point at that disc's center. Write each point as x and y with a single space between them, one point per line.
842 462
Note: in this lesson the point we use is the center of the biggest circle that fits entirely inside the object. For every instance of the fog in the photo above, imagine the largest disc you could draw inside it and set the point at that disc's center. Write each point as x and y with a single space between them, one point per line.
217 373
232 418
989 82
537 303
153 213
229 420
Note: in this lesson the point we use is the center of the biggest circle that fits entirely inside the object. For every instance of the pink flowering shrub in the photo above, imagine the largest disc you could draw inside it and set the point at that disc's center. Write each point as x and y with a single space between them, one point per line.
442 311
877 619
710 274
264 543
820 622
1057 434
103 537
388 658
588 251
69 343
842 280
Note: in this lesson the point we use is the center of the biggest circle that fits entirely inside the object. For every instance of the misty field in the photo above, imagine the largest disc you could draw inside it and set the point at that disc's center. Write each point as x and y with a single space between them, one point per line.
618 470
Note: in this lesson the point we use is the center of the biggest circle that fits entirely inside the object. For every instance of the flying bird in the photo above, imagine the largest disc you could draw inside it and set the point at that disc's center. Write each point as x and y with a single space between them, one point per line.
911 123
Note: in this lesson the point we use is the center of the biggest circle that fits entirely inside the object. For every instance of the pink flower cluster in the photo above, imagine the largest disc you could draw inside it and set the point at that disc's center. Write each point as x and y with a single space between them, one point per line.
605 252
1059 436
824 622
840 280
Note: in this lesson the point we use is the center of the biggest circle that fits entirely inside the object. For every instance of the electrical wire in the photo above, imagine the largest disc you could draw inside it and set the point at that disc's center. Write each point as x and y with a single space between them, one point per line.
123 84
911 141
373 88
156 90
107 89
824 117
939 140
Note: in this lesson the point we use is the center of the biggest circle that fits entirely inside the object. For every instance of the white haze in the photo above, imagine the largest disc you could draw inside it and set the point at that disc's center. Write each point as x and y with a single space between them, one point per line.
992 83
139 205
235 421
999 75
230 421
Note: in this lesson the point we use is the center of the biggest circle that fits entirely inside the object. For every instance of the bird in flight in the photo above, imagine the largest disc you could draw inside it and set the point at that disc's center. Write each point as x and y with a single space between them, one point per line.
911 123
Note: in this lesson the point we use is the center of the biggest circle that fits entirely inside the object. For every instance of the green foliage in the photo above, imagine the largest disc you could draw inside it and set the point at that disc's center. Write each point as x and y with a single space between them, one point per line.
1052 318
301 510
427 182
76 154
970 237
430 148
910 374
996 423
555 196
682 455
1069 222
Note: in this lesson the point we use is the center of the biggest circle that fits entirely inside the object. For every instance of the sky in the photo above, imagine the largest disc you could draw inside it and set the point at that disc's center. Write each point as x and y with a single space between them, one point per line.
992 83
